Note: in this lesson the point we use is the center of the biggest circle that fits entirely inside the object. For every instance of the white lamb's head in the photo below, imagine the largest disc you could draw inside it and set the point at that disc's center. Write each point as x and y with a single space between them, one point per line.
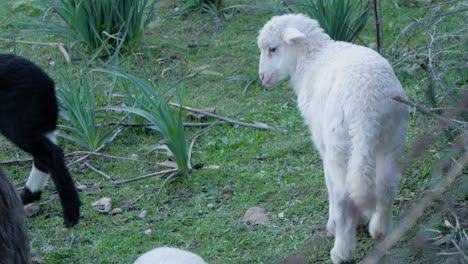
280 41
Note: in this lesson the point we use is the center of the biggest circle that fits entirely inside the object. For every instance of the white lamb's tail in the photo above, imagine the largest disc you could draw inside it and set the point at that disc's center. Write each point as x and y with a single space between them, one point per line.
361 175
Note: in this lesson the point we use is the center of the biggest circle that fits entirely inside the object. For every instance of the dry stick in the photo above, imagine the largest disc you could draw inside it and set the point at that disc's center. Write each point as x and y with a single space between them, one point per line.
416 211
229 120
85 156
145 176
450 122
12 162
60 46
149 124
98 171
378 25
109 156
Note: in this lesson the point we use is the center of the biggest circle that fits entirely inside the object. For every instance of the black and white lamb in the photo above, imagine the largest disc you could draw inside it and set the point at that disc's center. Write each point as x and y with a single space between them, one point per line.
344 93
28 118
14 243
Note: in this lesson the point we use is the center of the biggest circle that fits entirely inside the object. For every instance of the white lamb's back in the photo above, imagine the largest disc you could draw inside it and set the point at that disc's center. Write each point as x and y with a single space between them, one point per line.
169 255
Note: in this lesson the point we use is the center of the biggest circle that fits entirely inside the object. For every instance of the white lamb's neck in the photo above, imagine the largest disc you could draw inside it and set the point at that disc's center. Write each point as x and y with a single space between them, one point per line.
308 56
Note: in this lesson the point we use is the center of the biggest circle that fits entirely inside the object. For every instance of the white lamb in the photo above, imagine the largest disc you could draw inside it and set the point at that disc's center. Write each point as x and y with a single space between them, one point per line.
169 255
344 95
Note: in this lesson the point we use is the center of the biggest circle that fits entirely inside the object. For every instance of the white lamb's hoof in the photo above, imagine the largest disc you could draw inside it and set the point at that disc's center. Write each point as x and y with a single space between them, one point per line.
341 255
378 229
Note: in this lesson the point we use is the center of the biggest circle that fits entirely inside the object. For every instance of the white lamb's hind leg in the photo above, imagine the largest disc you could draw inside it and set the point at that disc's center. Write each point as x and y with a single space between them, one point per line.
331 223
346 224
344 212
388 177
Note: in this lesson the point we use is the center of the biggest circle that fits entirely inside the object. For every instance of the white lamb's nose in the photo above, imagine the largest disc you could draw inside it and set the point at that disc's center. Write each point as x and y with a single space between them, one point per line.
262 76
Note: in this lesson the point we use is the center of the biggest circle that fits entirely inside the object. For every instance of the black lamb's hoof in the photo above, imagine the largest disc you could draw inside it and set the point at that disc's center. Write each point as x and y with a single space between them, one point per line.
71 214
28 197
71 210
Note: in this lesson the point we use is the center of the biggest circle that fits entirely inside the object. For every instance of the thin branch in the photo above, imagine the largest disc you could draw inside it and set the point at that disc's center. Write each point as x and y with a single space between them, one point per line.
205 124
14 162
98 171
378 25
462 109
145 176
417 211
60 46
229 120
425 110
108 156
85 156
451 12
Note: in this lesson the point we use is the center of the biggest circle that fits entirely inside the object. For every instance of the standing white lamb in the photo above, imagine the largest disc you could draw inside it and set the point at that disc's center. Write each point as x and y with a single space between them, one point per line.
344 95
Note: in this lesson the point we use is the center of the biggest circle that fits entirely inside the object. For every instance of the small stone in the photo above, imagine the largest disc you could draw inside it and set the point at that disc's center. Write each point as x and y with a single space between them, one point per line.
93 190
210 205
38 259
116 211
103 205
143 214
148 231
281 215
31 209
256 215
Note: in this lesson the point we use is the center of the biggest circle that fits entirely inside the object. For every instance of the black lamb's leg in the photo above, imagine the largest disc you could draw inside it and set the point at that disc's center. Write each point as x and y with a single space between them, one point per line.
49 155
36 183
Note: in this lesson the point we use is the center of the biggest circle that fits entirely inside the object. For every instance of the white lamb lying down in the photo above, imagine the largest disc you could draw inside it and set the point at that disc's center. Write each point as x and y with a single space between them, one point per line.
169 255
344 95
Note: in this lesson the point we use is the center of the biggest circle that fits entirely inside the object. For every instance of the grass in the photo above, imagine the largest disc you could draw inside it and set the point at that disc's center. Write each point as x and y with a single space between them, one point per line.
243 167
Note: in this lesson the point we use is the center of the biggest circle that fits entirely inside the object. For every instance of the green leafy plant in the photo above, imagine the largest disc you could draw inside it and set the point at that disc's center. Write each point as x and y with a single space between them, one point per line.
205 5
150 103
341 19
78 102
100 25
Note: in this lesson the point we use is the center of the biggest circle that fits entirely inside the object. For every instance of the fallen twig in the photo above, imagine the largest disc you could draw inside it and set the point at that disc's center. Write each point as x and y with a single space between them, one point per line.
229 120
145 176
450 122
378 25
98 171
60 46
416 211
13 162
109 156
205 124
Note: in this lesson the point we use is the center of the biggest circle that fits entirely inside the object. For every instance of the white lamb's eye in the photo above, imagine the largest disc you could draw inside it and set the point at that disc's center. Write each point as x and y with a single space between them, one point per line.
271 50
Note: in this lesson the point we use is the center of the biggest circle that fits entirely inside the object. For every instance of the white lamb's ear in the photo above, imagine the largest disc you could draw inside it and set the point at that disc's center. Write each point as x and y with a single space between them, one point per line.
292 35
